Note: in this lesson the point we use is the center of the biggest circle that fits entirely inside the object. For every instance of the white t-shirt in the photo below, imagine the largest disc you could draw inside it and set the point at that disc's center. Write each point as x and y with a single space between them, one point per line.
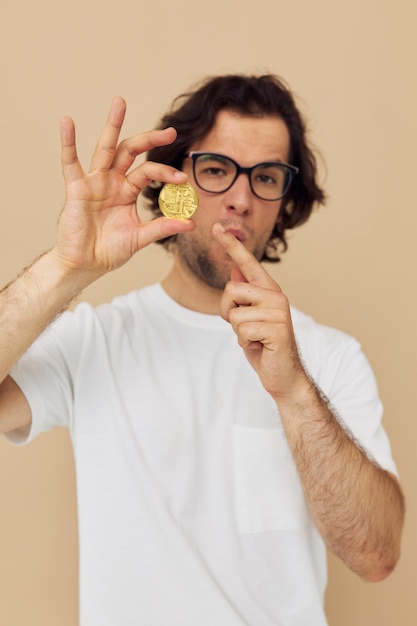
190 507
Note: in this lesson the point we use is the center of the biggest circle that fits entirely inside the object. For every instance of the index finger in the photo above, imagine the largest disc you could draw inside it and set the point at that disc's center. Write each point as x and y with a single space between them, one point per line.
247 263
129 149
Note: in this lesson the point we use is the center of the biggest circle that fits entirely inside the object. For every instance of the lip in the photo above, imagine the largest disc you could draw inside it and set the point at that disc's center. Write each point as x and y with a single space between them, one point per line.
237 232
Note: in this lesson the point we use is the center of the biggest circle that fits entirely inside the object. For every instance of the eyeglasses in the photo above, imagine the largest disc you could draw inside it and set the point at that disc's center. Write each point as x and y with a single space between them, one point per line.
216 173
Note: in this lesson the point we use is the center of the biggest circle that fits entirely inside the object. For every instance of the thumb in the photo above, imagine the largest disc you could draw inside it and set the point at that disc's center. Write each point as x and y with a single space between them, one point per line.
161 227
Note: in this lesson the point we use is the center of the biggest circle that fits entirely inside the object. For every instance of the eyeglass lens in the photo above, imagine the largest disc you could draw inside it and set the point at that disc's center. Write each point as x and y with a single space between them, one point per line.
216 173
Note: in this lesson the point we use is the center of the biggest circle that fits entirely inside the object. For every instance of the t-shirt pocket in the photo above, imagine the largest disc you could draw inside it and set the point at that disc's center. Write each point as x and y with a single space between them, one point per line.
268 492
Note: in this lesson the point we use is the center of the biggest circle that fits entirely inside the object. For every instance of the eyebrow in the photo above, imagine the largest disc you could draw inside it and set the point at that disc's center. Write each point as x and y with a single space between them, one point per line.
214 157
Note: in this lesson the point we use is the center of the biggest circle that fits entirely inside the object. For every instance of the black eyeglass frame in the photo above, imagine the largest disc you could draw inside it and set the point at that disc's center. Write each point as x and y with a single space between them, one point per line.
290 172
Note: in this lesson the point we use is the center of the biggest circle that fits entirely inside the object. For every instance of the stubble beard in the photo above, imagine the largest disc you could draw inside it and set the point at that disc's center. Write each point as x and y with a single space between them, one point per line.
196 259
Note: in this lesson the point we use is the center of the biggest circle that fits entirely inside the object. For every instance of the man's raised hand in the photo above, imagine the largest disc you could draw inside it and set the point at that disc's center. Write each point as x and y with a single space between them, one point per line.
99 228
260 315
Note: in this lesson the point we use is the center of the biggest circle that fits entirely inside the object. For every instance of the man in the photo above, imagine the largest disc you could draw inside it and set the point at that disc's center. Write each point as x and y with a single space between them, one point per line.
221 439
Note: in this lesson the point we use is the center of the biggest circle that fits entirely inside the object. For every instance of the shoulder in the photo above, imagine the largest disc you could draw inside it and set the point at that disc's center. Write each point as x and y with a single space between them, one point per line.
119 310
314 334
329 354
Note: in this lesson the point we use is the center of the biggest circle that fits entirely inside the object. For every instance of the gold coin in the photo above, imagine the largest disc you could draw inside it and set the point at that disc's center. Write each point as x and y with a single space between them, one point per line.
178 201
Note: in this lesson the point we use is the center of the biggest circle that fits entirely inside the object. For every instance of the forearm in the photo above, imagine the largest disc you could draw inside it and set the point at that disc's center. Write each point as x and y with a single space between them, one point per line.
31 302
357 507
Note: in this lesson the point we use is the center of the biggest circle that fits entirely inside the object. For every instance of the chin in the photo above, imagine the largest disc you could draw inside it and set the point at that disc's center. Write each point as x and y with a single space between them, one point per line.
216 282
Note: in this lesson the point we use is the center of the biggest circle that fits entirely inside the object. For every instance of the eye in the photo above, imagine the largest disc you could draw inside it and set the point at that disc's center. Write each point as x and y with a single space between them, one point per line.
213 171
266 179
269 175
212 166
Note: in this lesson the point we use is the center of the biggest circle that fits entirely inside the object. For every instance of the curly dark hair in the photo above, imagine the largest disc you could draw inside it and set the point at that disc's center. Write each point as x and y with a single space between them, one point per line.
193 115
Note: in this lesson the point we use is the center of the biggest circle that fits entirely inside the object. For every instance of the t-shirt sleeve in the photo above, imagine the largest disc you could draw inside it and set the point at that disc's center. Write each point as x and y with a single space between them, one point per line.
349 383
46 373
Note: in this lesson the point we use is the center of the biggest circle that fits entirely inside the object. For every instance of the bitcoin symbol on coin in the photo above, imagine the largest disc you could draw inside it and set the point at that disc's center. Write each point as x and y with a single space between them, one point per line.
178 201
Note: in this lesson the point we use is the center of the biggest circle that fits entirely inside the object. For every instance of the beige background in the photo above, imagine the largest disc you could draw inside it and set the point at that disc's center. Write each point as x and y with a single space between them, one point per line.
353 266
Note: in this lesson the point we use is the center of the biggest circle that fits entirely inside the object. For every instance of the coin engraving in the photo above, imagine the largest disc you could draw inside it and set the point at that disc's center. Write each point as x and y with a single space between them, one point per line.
178 201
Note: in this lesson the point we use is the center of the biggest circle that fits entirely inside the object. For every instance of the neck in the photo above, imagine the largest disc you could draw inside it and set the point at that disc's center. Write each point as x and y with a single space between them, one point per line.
189 291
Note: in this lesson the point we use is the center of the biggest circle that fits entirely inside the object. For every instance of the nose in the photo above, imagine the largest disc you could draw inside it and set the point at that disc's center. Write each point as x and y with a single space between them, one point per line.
239 198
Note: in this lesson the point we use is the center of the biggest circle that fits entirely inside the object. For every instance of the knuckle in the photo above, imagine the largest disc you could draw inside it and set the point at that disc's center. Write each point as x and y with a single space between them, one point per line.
281 300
